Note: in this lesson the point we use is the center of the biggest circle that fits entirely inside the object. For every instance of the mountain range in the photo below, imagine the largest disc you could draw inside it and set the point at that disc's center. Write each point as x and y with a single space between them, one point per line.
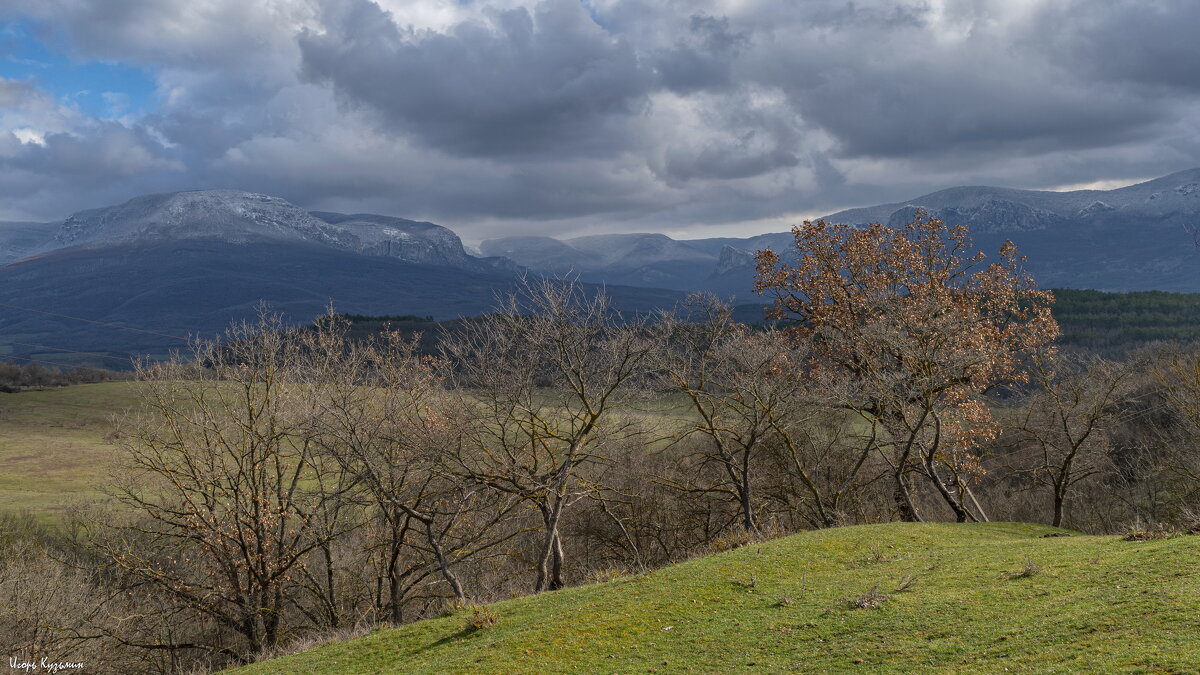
176 264
1135 238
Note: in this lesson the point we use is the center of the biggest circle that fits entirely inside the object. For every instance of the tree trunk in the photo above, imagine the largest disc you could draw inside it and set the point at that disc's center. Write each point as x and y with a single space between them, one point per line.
961 514
443 562
546 553
395 592
1060 499
748 520
903 497
982 515
556 564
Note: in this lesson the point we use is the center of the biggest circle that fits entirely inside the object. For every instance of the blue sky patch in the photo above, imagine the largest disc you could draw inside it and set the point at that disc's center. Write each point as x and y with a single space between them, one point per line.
99 88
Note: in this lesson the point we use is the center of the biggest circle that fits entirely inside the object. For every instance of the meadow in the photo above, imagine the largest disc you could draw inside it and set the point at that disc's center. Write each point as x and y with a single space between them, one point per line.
56 445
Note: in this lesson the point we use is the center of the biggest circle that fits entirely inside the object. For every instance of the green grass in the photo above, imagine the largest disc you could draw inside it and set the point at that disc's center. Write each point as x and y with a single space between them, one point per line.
1096 604
55 446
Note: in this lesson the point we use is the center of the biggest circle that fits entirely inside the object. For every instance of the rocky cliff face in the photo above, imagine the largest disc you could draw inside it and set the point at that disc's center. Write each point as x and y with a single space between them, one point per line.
734 259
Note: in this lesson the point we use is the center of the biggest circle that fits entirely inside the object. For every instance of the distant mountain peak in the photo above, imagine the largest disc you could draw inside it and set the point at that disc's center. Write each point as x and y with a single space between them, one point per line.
240 217
233 216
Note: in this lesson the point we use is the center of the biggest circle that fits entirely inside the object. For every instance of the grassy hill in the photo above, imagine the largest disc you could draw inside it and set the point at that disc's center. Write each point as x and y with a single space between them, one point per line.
986 598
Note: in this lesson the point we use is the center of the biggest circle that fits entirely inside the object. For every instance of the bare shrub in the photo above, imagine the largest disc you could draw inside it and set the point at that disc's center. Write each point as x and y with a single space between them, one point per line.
1029 569
872 599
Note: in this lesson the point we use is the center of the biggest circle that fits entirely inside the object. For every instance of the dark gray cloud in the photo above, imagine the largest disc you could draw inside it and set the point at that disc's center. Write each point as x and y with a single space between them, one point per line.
1128 43
552 116
543 79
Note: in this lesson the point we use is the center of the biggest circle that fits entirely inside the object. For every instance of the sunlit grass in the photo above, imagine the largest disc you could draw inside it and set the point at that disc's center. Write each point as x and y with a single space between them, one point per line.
1096 604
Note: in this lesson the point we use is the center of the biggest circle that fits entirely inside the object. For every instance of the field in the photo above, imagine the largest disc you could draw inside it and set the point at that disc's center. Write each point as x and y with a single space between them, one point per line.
55 445
984 598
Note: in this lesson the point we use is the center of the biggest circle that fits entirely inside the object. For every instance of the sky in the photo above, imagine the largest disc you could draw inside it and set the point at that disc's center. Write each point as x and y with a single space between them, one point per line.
695 118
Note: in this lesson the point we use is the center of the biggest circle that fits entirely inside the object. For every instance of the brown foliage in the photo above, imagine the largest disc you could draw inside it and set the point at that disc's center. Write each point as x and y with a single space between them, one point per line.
920 328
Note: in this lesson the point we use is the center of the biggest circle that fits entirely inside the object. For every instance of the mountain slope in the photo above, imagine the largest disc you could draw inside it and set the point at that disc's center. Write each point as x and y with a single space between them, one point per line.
190 286
18 240
1134 238
1175 197
237 217
186 263
1095 604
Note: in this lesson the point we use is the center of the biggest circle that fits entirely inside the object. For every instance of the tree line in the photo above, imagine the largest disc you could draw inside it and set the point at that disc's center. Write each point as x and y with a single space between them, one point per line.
282 485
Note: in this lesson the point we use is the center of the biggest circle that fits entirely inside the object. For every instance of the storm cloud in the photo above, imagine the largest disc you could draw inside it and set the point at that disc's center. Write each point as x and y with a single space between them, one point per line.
566 116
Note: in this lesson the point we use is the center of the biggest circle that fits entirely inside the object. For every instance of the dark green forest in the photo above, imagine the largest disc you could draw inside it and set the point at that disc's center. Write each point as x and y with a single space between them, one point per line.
1116 322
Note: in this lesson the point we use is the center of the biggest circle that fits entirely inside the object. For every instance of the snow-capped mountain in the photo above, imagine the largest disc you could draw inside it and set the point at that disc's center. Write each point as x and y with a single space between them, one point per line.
236 217
187 263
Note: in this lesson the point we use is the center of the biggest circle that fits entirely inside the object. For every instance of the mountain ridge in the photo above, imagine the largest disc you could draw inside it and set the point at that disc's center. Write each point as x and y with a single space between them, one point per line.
1134 238
223 249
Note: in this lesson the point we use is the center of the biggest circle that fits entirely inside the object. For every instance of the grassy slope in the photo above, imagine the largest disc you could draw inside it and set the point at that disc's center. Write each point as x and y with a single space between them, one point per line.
53 447
1098 604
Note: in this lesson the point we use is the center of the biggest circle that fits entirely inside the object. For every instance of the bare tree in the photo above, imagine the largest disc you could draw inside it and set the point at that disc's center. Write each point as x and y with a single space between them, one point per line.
387 420
221 479
826 453
744 388
544 377
1179 376
1067 417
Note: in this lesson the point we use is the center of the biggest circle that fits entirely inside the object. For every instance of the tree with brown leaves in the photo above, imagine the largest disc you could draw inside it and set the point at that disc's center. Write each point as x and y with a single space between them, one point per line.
922 327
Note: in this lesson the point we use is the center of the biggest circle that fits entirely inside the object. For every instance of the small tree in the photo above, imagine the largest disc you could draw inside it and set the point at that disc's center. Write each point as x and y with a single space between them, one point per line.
1066 419
923 331
766 424
1179 377
736 384
388 422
